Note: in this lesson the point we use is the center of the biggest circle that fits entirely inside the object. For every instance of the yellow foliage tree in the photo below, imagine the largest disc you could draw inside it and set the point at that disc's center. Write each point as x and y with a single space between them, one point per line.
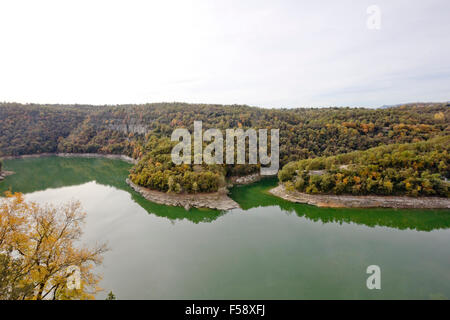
440 116
37 249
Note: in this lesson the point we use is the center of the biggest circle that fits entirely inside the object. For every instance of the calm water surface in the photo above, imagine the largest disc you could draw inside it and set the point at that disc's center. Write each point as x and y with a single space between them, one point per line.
269 249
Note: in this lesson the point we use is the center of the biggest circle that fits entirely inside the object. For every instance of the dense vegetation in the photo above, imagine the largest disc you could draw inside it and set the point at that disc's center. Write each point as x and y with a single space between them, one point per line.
157 171
35 129
414 169
136 131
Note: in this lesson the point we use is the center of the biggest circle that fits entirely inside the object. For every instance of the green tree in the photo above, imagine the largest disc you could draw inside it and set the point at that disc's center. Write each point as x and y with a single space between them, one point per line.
111 296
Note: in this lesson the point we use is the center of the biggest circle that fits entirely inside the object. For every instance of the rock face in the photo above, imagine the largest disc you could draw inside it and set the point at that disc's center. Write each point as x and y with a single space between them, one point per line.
133 126
214 200
349 201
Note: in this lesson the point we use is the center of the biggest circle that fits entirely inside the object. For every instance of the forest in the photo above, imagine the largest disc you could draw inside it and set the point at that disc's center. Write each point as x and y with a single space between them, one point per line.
143 132
157 171
412 169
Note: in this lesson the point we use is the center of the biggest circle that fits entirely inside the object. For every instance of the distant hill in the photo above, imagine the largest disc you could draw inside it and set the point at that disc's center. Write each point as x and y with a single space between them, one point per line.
418 104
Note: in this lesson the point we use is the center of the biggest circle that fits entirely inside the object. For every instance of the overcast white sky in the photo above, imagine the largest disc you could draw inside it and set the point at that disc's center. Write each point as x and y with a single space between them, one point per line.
264 53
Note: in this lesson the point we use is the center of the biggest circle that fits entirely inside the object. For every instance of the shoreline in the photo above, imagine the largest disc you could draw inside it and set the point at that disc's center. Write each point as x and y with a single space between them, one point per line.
74 155
219 200
350 201
213 200
4 174
244 180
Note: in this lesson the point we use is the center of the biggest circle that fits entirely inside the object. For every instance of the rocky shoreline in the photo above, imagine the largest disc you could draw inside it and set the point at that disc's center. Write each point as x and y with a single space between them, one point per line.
245 179
214 200
75 155
4 174
349 201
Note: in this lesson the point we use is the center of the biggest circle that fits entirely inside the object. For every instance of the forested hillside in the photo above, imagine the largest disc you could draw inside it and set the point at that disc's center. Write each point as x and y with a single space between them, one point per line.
413 169
27 129
157 171
35 129
128 129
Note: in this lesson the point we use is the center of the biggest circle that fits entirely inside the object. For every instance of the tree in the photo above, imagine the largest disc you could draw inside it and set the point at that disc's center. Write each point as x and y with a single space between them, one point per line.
37 248
111 296
439 116
171 184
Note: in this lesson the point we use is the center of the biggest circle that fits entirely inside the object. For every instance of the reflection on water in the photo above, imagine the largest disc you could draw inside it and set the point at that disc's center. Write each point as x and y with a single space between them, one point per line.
256 195
53 172
38 174
269 249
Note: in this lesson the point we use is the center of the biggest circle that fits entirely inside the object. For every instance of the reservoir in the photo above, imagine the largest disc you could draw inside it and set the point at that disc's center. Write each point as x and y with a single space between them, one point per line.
267 249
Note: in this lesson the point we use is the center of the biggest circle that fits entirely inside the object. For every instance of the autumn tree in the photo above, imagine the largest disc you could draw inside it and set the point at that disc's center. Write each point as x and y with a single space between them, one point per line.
38 248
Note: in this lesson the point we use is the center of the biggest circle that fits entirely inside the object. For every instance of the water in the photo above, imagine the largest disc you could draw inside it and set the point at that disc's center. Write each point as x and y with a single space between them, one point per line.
269 249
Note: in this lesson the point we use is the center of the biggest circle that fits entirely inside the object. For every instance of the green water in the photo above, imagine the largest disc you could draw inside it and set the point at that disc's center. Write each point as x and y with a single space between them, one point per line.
269 249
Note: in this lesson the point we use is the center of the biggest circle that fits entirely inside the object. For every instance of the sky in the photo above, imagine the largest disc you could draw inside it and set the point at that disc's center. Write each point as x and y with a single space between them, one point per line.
263 53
